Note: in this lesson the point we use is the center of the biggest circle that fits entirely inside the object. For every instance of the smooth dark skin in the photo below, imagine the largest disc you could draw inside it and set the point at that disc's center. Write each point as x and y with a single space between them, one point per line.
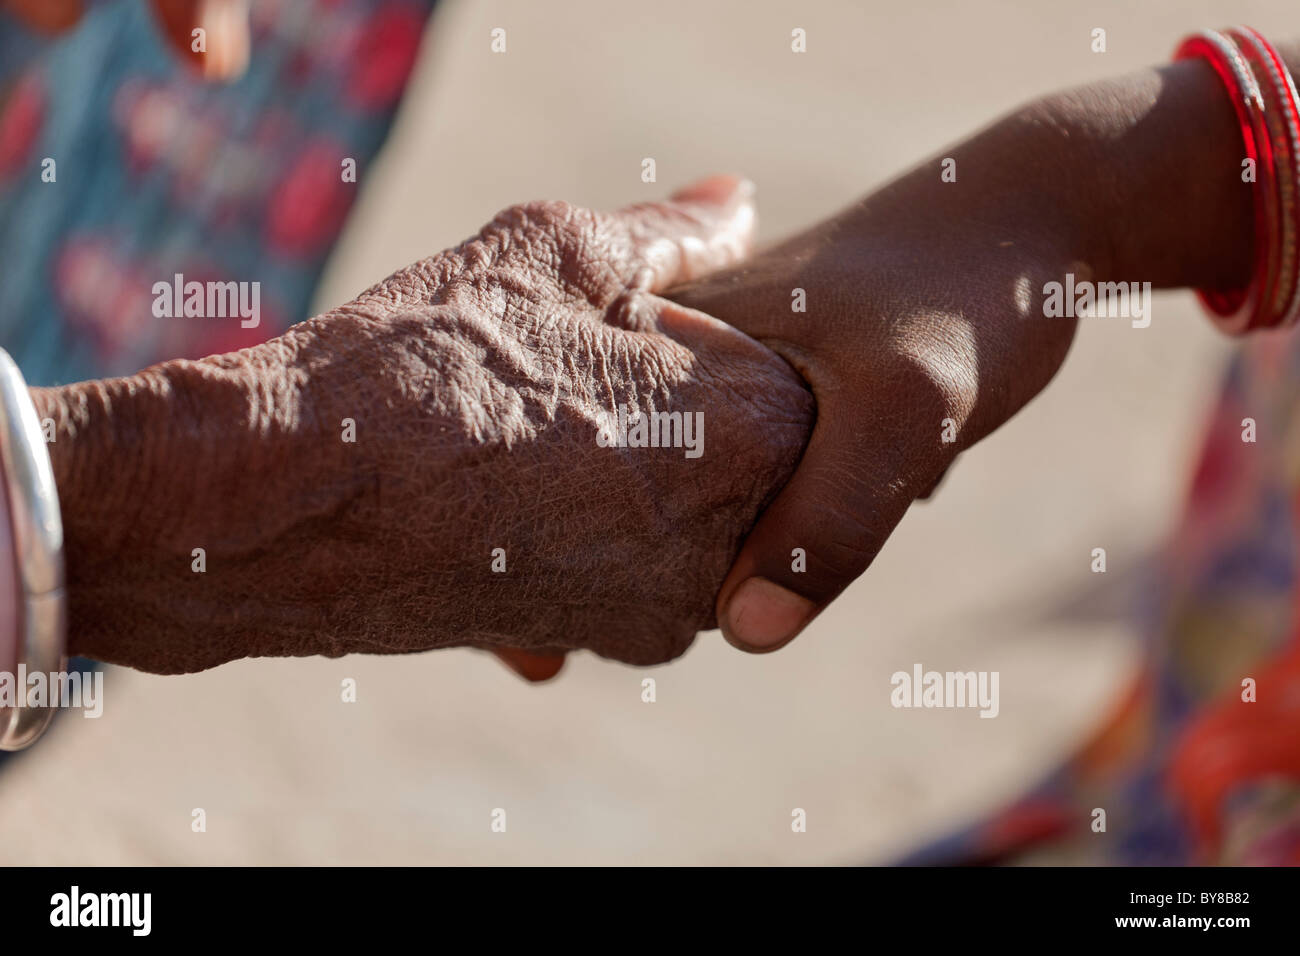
917 310
474 377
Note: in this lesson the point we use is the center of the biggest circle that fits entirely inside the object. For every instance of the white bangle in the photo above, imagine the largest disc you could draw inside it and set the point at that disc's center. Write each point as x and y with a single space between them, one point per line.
28 480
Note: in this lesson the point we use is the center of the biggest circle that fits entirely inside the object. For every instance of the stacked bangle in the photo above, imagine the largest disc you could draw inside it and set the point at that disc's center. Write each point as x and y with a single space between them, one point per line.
36 534
1264 98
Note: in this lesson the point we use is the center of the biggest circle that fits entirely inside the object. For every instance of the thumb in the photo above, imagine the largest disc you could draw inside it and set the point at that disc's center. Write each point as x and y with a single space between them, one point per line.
706 226
822 531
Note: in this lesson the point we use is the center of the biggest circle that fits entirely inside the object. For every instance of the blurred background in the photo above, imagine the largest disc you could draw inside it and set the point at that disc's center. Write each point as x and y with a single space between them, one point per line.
993 574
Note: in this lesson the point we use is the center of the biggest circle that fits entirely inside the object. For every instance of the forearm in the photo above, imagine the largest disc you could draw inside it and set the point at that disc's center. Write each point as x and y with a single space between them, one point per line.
151 467
1158 187
1149 172
1138 178
109 441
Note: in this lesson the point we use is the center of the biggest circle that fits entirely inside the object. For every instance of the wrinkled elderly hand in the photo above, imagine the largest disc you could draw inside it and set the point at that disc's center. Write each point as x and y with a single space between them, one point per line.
484 499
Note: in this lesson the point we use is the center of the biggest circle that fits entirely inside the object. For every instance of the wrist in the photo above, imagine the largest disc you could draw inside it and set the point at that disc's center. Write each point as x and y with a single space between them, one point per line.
140 464
93 432
1152 167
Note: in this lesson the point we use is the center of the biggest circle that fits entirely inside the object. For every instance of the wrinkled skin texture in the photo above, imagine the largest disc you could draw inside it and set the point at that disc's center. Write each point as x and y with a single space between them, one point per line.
477 380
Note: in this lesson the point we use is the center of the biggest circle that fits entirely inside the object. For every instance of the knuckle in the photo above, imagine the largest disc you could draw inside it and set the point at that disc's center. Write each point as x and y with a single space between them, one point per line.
563 223
847 531
552 215
569 242
532 228
846 554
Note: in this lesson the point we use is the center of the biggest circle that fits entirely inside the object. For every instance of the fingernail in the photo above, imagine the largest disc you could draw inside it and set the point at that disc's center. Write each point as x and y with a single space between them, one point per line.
533 668
721 190
761 616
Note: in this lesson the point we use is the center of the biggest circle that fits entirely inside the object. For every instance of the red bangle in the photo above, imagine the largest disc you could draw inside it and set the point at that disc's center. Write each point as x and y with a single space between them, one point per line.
1238 310
1264 99
1282 113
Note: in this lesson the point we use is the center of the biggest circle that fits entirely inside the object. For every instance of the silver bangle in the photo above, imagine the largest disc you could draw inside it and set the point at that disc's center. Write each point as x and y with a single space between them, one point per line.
38 550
